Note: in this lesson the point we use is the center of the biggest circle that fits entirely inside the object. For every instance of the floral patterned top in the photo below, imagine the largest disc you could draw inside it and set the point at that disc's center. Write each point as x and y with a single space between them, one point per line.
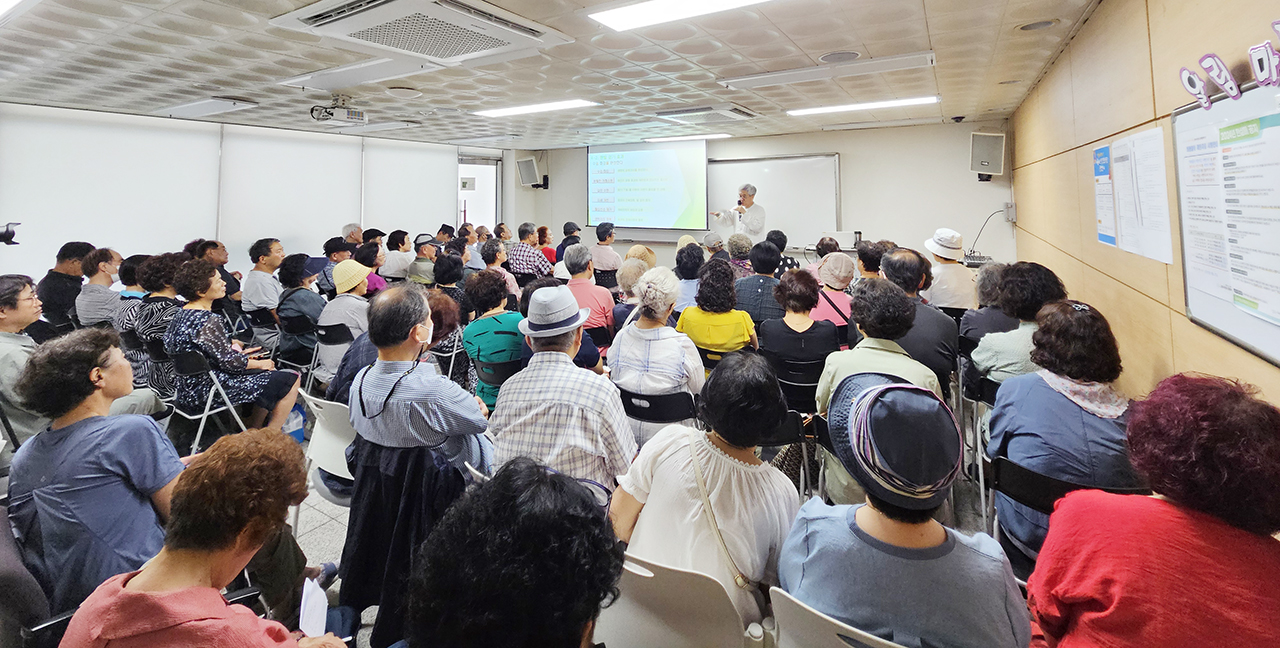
153 321
206 332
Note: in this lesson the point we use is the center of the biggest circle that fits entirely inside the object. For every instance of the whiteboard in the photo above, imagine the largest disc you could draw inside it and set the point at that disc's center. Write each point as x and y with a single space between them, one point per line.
1228 162
800 194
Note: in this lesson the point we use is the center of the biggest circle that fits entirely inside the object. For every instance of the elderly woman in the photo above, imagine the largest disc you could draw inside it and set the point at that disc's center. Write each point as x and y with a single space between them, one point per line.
689 259
494 336
648 357
229 503
371 255
1024 289
797 336
836 272
495 257
988 317
545 240
1064 421
657 509
628 275
1123 570
298 300
157 310
826 245
245 379
127 317
588 356
644 253
740 255
714 324
450 352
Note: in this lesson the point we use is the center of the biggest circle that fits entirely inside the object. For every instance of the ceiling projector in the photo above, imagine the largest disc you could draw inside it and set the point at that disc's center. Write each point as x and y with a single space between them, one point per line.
340 113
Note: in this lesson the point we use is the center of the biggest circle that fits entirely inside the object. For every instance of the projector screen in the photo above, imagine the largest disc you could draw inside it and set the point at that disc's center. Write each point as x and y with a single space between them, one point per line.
656 186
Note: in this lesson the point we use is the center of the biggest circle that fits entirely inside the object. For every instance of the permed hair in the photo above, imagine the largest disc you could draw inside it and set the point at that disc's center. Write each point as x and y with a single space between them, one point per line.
657 290
989 283
1075 340
1210 444
1025 287
870 252
716 293
525 560
194 278
293 270
56 378
797 291
448 269
157 272
739 246
689 260
629 273
243 484
742 400
487 290
882 309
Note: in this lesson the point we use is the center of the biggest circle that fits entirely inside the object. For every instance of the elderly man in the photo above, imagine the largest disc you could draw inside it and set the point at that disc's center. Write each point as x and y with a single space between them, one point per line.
352 233
97 302
571 237
423 268
336 250
747 216
524 257
556 413
399 255
599 301
934 339
260 289
715 246
954 285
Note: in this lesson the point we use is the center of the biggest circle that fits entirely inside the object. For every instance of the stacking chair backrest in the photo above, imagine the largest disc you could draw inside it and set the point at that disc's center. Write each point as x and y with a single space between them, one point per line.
496 373
297 325
1038 491
330 436
155 350
334 334
664 408
601 336
262 318
800 626
798 379
606 278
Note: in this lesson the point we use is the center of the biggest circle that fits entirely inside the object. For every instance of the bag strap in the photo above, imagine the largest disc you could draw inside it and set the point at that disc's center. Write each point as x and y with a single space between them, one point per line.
738 577
836 308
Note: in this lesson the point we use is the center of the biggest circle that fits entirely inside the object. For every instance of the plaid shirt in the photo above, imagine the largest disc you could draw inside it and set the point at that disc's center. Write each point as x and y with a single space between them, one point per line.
525 259
565 417
755 295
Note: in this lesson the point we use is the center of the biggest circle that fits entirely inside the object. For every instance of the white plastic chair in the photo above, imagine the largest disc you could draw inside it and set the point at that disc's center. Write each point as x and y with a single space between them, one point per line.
673 608
800 626
330 436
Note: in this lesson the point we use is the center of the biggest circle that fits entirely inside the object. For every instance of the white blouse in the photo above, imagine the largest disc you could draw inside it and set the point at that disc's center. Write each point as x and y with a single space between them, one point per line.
654 362
754 506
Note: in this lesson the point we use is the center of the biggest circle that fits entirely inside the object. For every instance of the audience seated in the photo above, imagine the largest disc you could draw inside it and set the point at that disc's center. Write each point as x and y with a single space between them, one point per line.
739 253
689 259
471 252
553 411
399 255
643 253
1194 565
244 379
715 246
934 338
157 310
416 430
826 245
88 495
216 253
372 235
260 290
526 560
444 234
451 351
649 357
494 336
597 300
588 356
886 567
713 323
953 283
349 307
229 505
371 256
835 273
503 233
1024 289
755 293
336 250
97 303
883 314
61 285
796 336
449 269
1064 421
988 317
298 300
495 257
867 254
628 274
524 256
353 234
127 315
779 240
423 268
603 256
734 531
544 242
571 238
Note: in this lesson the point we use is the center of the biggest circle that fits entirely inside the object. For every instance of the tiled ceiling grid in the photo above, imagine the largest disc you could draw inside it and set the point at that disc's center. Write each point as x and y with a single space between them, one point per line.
138 56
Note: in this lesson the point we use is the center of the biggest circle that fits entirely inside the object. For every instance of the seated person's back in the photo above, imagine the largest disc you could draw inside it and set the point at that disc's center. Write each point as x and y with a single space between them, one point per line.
886 567
714 324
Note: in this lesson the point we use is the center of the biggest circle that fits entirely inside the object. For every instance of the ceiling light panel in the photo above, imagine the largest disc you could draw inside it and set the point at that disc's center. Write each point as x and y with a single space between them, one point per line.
686 138
536 108
820 72
656 12
206 107
874 105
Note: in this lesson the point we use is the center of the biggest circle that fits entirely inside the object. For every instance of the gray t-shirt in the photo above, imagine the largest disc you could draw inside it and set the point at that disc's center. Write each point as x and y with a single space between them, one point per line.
260 290
96 304
960 594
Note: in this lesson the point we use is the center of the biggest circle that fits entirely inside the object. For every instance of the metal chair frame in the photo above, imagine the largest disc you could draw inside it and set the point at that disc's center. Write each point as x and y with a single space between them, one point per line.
192 363
327 335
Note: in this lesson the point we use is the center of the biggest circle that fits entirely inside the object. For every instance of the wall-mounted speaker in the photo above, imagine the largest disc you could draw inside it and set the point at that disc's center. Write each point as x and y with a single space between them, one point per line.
986 153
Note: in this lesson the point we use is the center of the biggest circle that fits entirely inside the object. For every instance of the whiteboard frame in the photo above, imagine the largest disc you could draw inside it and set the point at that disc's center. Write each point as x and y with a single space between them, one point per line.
1182 240
792 156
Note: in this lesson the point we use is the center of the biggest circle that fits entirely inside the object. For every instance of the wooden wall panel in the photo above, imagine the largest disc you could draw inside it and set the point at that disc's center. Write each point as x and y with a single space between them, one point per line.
1055 130
1198 349
1067 267
1141 326
1023 129
1111 71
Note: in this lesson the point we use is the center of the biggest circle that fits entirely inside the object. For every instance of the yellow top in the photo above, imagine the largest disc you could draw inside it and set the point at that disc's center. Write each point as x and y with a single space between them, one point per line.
720 332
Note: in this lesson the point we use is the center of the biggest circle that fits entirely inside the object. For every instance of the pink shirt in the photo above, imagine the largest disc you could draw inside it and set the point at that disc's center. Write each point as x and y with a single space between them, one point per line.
196 617
598 299
513 286
376 283
824 312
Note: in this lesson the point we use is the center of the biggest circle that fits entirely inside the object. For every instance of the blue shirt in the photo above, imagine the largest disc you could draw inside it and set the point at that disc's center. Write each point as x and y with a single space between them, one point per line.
960 594
1038 428
688 294
80 502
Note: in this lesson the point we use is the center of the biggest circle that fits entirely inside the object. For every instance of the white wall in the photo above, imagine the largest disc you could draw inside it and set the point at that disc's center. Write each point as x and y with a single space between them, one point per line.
148 185
895 183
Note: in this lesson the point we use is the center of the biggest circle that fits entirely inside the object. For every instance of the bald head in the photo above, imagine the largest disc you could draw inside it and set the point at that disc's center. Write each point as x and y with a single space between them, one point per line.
395 312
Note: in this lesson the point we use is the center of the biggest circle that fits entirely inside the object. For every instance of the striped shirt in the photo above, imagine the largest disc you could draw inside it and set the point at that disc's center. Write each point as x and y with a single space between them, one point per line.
425 409
565 417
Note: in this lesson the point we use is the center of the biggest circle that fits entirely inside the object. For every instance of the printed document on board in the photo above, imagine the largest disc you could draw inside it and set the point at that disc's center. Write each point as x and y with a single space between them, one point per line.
1104 205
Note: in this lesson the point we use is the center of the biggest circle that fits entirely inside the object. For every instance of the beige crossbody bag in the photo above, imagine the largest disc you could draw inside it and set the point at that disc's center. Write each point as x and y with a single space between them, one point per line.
738 577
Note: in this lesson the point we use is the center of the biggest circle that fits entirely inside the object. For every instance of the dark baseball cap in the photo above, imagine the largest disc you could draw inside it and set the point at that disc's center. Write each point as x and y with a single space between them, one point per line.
338 244
571 228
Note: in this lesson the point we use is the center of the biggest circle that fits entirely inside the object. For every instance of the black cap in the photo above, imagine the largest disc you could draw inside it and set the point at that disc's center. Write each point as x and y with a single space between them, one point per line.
571 228
373 233
338 244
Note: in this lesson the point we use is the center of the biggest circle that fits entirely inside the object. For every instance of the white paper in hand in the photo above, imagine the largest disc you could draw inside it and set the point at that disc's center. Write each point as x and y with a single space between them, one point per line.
315 609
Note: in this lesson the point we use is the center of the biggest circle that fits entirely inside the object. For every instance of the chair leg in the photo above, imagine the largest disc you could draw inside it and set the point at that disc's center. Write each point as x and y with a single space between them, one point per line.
226 401
805 490
311 375
208 404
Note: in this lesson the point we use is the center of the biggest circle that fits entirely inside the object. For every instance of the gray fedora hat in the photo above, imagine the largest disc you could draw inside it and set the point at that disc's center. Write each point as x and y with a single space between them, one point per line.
552 311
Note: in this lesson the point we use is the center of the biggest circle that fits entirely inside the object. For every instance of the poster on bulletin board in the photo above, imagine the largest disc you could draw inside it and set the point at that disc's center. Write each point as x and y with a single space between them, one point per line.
1131 195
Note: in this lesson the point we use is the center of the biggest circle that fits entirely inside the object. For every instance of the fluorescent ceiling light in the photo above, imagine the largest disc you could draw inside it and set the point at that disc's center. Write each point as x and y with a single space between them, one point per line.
375 127
361 72
875 105
502 137
654 12
882 124
833 71
536 108
206 107
684 138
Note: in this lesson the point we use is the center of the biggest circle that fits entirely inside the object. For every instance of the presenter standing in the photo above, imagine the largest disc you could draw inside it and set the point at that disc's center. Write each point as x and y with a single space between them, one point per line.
747 216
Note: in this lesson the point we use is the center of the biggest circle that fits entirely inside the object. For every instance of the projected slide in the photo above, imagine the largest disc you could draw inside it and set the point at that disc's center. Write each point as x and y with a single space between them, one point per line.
648 185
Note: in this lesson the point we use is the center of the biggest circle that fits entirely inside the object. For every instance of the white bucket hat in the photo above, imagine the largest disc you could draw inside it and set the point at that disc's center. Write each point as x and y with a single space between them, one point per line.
946 243
553 311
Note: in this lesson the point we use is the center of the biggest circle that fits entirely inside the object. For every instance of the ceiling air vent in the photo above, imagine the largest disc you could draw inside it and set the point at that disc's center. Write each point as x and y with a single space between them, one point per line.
714 114
445 32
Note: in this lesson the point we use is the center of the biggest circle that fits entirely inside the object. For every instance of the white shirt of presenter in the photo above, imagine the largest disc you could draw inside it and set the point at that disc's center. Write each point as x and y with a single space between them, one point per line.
747 216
